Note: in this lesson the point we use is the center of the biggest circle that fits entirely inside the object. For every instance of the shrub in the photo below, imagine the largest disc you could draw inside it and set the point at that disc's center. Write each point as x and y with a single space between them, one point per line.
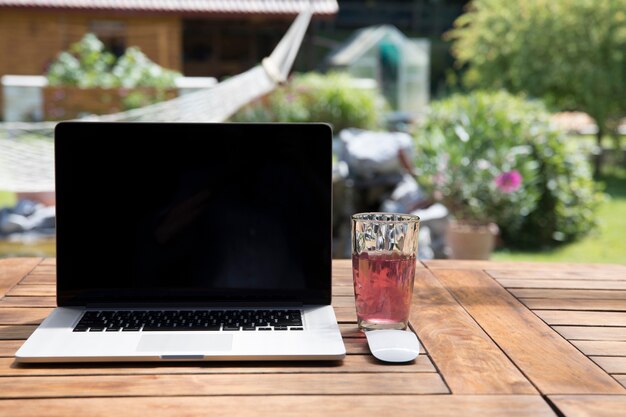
568 52
313 97
495 157
87 64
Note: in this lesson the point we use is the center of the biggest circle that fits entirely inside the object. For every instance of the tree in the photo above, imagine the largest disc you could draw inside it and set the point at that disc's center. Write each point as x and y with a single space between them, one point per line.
571 53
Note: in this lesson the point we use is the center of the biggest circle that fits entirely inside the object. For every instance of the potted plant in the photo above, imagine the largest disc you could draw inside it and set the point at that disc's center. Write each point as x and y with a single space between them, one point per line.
473 155
87 79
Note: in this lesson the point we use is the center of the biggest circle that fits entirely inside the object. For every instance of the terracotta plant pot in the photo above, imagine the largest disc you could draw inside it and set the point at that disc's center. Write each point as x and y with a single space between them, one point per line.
471 241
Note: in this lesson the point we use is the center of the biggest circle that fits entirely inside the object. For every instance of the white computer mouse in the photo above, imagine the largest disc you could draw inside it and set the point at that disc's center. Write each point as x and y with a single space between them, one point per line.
393 345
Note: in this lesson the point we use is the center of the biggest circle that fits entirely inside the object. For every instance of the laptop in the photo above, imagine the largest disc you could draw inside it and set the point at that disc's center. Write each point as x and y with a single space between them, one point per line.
181 241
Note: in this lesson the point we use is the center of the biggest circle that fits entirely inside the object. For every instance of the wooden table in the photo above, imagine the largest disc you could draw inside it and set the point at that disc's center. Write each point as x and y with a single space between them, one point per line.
500 339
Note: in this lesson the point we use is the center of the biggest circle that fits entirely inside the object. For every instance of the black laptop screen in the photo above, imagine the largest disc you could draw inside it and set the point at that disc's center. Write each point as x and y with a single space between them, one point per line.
193 213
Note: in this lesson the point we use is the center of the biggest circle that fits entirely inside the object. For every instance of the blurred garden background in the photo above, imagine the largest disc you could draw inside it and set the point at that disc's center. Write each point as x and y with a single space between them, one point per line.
484 116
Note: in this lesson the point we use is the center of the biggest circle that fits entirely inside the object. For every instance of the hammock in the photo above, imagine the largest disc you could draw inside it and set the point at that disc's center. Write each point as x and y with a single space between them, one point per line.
27 151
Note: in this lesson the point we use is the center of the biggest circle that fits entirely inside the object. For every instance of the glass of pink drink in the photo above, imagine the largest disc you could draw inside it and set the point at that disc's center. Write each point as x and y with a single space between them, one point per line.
384 253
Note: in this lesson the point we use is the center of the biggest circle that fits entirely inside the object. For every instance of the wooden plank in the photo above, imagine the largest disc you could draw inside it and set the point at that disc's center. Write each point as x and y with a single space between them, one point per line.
49 261
350 330
591 333
283 406
13 270
621 379
555 283
566 304
568 293
468 359
28 302
343 301
345 314
20 332
601 347
590 405
582 318
222 384
516 266
611 364
345 290
351 364
9 347
23 315
45 269
548 360
356 346
39 279
39 290
550 274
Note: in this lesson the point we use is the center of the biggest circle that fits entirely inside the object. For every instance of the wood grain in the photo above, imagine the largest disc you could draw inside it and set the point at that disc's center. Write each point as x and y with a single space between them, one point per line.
13 270
343 301
283 406
567 304
601 347
9 347
345 314
551 274
351 364
591 333
611 364
38 290
350 330
222 384
45 270
49 261
28 302
555 283
621 379
345 290
549 361
32 278
590 405
517 266
23 315
19 332
568 293
582 318
468 359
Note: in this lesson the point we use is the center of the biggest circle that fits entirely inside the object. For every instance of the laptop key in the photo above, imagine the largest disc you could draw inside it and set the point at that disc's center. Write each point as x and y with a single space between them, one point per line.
296 328
96 329
81 328
130 329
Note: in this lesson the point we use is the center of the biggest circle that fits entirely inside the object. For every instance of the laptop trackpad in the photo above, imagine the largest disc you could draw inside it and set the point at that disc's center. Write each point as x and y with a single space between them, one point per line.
185 343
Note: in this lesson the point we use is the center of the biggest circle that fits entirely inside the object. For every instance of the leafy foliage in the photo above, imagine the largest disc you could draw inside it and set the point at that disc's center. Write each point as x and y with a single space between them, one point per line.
313 97
495 157
572 53
87 64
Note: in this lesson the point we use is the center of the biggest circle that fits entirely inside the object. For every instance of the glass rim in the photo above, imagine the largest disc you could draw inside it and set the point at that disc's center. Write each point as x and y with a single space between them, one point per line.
400 217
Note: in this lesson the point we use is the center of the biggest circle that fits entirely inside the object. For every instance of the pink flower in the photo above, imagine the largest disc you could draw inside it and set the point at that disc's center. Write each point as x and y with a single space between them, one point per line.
509 181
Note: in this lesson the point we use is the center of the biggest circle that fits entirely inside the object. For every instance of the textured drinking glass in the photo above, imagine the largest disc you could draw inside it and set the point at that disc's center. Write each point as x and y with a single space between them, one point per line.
384 254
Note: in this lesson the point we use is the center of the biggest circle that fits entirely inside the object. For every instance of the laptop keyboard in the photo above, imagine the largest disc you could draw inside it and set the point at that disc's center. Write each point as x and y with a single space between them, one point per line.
190 320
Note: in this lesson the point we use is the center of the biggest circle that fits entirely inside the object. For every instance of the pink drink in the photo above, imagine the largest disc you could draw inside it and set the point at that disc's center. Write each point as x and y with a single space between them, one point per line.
383 286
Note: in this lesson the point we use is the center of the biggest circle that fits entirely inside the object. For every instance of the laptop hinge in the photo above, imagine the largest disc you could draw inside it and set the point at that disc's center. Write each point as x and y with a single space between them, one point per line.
245 304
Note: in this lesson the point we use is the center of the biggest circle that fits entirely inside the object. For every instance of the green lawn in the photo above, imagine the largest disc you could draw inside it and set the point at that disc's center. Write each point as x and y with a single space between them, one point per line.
607 244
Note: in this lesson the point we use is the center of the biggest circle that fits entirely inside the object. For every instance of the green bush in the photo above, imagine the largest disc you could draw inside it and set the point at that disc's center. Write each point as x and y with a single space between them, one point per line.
88 64
313 97
571 53
495 157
